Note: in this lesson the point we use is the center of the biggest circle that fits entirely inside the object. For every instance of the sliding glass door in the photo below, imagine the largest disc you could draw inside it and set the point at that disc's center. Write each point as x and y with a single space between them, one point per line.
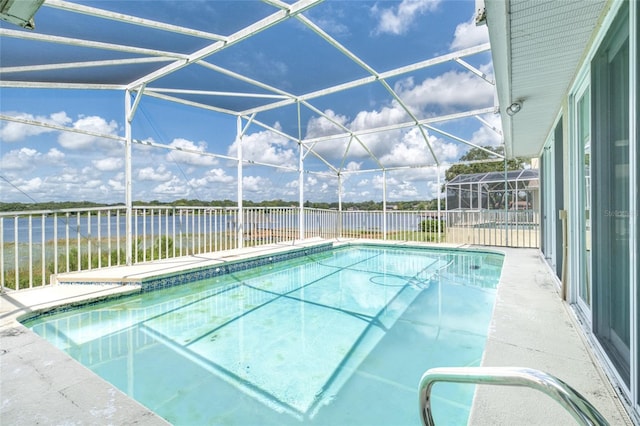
610 195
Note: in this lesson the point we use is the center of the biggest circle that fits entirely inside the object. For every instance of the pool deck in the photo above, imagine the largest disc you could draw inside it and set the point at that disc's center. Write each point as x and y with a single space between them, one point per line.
531 327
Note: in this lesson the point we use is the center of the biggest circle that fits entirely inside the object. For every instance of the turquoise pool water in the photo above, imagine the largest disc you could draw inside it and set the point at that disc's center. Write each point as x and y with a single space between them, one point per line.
333 338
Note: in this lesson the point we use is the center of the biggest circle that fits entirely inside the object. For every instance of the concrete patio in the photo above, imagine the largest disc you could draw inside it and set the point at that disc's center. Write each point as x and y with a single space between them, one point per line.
531 327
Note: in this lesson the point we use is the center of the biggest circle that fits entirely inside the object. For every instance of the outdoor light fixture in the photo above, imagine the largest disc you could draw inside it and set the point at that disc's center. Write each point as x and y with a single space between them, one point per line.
514 108
20 12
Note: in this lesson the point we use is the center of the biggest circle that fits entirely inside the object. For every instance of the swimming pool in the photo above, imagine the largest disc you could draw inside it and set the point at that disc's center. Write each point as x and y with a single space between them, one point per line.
333 337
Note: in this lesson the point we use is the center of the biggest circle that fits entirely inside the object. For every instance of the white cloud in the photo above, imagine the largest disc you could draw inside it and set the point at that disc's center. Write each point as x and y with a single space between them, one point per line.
449 90
68 175
174 187
364 182
266 147
13 132
396 189
336 148
54 156
468 34
353 166
28 158
397 20
92 183
192 158
213 176
293 184
377 118
159 174
20 158
332 25
31 185
116 184
323 126
317 186
92 123
219 176
256 184
410 150
108 164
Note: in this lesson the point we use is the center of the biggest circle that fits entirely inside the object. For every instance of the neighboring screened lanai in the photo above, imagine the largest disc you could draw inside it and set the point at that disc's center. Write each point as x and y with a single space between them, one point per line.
486 191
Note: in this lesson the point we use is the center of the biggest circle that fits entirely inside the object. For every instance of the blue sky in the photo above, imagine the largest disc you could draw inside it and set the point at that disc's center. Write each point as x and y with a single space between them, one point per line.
48 165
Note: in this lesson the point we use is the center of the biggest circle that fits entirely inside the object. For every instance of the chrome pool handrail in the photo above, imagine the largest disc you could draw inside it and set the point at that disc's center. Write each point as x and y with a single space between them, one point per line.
581 409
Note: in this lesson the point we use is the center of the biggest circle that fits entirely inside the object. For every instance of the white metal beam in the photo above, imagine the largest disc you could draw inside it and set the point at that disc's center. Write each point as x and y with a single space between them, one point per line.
216 93
52 126
128 181
210 154
422 166
57 85
337 45
341 126
240 217
301 223
413 117
309 151
464 141
400 126
384 204
382 75
475 70
4 32
122 139
134 20
134 108
238 36
346 151
489 125
84 64
151 93
250 81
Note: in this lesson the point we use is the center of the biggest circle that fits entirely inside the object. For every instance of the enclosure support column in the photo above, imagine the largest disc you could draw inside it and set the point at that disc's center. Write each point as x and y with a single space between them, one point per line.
384 204
301 194
300 179
339 205
506 203
438 192
240 217
128 200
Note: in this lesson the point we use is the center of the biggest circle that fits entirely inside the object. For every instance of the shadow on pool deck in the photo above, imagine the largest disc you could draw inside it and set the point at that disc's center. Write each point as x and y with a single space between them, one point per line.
531 327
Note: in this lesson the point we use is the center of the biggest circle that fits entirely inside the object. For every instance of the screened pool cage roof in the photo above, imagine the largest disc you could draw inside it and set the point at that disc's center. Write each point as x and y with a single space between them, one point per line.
496 177
211 55
517 189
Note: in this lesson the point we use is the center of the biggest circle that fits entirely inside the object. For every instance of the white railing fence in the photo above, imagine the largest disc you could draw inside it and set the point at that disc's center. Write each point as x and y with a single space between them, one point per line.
36 244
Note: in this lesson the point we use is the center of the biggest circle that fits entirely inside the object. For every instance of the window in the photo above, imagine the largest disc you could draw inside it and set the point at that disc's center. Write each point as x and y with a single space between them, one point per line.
610 194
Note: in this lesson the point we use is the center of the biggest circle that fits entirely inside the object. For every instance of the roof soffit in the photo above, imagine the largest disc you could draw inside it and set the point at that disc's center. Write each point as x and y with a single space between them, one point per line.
537 47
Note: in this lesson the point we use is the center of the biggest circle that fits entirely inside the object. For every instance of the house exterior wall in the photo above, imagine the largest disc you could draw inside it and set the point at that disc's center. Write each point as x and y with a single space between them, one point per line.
593 174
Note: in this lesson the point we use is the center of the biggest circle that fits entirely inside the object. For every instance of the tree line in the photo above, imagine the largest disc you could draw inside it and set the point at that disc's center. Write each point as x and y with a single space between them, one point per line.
364 205
474 155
